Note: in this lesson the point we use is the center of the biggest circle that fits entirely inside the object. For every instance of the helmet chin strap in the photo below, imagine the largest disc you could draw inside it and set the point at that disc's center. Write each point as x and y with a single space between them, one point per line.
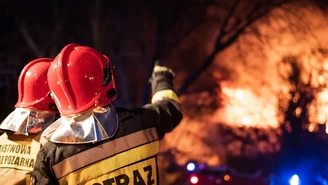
89 127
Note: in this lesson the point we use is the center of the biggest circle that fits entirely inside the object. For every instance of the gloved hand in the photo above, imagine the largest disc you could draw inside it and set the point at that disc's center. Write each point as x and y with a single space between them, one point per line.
162 78
158 68
162 85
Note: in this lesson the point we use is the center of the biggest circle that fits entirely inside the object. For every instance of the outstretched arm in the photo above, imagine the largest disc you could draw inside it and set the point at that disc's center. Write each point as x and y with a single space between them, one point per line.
165 102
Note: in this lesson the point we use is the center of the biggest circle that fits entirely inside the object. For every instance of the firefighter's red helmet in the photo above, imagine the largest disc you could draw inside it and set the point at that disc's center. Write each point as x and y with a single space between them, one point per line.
33 89
80 78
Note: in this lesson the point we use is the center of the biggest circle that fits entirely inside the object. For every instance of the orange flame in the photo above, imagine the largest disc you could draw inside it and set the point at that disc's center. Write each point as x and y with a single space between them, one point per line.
244 108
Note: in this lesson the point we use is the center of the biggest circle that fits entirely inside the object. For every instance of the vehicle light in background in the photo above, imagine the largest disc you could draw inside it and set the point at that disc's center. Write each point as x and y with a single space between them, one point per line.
194 179
191 167
294 180
226 177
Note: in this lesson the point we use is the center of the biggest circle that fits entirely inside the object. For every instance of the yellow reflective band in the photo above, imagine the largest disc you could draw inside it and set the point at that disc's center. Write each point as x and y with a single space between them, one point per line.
103 151
18 154
168 93
141 173
110 164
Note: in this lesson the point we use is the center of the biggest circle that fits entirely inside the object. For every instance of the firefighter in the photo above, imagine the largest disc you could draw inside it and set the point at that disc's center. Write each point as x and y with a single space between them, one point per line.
34 111
94 142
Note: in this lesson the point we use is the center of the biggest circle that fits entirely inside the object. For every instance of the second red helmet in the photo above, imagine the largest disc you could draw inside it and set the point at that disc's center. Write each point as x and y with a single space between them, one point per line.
33 89
80 78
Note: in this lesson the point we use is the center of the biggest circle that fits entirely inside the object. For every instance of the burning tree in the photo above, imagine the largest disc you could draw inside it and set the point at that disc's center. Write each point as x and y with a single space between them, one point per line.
306 113
249 108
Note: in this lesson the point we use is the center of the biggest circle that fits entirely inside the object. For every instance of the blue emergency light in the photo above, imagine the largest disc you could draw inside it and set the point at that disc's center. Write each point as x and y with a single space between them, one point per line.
191 166
294 180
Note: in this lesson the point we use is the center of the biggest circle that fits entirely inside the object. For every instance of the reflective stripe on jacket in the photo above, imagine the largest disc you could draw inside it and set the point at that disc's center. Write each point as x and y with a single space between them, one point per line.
127 158
121 161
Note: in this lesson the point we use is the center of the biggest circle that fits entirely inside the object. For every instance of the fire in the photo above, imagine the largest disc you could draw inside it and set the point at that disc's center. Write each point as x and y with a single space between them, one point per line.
242 107
256 95
319 111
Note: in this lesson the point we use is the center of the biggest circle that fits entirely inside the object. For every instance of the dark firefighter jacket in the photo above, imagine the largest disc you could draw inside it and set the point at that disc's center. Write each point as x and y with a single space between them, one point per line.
129 158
